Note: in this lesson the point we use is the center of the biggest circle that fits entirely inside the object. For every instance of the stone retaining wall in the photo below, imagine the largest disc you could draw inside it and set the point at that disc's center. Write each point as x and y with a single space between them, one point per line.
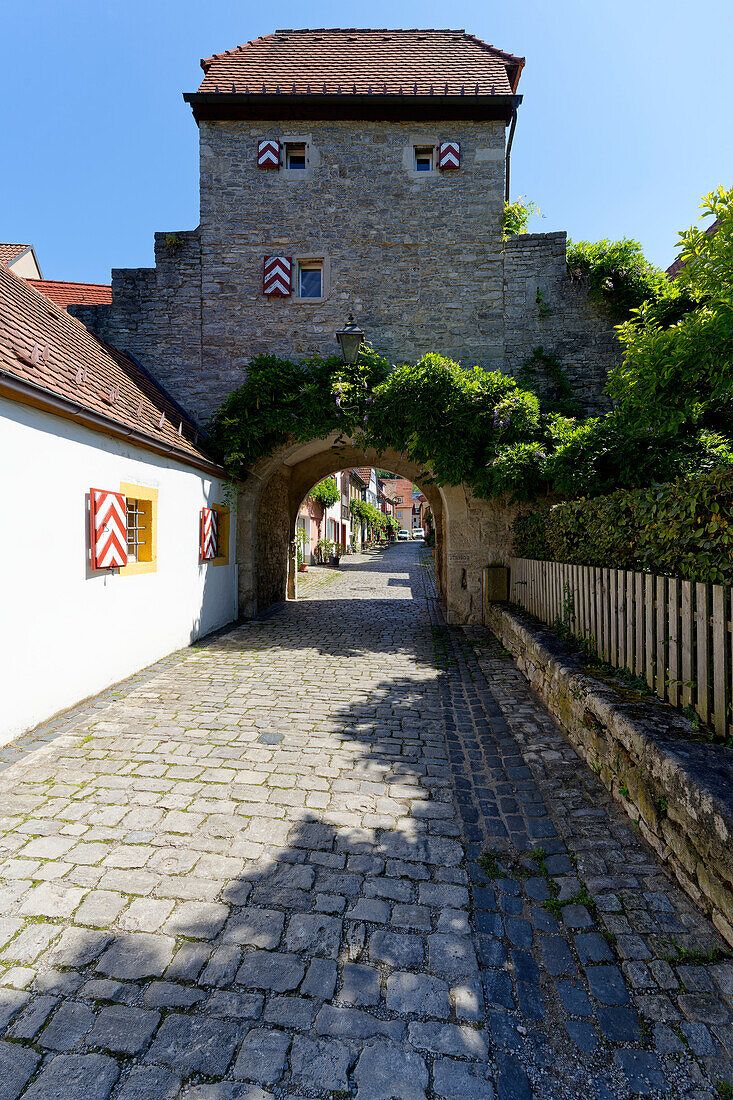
679 791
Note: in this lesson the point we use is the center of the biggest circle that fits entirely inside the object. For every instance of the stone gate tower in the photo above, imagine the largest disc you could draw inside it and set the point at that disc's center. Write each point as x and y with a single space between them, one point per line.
353 171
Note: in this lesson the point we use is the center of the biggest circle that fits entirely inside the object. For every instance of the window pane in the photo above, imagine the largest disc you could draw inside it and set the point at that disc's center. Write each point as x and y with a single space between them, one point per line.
133 532
296 156
311 282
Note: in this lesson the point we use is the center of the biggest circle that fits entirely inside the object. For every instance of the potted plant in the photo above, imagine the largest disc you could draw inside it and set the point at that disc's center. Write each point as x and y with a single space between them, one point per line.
324 550
301 539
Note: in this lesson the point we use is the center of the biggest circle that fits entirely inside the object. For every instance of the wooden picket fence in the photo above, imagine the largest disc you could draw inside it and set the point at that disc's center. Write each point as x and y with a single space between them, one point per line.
674 633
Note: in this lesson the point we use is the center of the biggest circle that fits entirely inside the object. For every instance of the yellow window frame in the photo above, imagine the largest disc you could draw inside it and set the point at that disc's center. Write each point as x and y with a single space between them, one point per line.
223 521
148 557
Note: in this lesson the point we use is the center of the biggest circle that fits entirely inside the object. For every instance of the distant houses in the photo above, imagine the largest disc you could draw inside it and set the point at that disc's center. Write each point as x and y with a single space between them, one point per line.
409 503
336 523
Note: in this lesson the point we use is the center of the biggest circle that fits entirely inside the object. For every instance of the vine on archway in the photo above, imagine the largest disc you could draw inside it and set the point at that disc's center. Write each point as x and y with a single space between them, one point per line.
457 425
473 427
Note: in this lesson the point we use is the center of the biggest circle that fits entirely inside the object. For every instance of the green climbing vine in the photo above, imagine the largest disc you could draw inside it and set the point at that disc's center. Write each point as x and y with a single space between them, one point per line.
325 493
558 397
517 215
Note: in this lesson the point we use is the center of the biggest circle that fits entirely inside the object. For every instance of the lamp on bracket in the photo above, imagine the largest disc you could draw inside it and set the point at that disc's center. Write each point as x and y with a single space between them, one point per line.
350 339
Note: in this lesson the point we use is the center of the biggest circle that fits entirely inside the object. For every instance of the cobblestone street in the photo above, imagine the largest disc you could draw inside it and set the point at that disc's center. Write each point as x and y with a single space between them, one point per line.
341 851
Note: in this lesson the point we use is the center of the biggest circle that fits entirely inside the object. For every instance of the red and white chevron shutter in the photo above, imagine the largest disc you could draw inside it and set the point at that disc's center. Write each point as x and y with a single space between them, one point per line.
277 280
449 154
268 154
209 534
108 529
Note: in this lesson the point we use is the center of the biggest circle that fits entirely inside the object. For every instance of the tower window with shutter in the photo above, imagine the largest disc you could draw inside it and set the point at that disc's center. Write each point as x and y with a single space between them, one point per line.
424 156
295 155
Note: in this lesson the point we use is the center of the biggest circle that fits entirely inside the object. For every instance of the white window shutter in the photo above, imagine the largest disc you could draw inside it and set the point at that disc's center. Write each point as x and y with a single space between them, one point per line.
277 278
449 155
268 153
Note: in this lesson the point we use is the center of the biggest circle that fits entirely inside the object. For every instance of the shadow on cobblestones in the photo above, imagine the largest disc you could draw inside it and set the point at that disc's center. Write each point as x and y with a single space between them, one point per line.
324 856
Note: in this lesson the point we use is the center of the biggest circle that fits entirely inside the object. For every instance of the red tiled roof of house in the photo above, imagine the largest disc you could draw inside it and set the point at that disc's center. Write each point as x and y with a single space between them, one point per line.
364 472
74 294
676 266
364 61
10 252
46 348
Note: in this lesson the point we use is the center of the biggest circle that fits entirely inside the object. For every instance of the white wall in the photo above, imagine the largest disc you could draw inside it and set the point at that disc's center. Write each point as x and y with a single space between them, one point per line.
26 266
67 632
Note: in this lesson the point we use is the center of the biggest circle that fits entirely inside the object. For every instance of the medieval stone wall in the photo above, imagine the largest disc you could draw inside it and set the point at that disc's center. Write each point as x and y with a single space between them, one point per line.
674 787
130 321
416 256
544 308
156 315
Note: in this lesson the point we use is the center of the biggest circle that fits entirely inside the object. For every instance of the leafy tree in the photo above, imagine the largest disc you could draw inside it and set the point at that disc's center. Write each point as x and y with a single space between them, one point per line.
619 278
517 215
367 513
681 375
326 492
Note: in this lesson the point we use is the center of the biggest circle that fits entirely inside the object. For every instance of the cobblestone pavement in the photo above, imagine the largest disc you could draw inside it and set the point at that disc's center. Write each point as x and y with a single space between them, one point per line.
293 862
316 577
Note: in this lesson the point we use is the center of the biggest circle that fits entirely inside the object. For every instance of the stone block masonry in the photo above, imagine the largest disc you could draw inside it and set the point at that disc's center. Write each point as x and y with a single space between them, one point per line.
156 315
417 257
544 307
677 790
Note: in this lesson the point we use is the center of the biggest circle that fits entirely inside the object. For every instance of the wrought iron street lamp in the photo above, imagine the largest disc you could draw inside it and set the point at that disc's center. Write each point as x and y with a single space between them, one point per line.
350 339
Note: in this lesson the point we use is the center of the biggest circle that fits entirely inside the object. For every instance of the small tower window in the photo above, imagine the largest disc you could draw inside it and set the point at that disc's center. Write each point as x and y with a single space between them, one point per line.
310 280
295 155
424 158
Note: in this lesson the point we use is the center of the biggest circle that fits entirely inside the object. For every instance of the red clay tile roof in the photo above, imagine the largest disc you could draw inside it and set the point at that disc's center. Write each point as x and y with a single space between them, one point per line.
43 345
676 266
74 294
379 62
10 252
364 472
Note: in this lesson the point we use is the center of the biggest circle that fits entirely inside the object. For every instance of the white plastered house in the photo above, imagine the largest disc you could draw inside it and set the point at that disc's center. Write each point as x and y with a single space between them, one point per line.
117 545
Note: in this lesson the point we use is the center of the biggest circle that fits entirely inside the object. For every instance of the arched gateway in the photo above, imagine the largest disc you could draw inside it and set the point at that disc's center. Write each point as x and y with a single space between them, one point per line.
470 533
378 196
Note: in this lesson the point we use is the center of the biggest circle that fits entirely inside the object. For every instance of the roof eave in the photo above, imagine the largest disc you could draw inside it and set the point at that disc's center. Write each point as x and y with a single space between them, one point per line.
25 392
229 106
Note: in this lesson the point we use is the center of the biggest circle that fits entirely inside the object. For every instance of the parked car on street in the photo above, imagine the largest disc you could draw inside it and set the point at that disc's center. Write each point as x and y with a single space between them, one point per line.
417 533
403 535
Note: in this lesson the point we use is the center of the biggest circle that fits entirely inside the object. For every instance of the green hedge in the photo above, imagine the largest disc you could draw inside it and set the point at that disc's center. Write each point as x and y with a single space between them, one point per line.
680 529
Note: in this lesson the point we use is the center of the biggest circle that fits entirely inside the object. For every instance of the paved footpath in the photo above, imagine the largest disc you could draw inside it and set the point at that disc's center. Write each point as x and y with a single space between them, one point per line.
340 852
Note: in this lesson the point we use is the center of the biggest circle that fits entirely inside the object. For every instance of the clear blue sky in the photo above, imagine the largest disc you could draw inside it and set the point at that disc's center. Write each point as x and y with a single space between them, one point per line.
626 119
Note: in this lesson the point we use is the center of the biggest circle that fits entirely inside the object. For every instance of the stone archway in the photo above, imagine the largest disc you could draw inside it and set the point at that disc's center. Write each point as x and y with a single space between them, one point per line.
470 533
